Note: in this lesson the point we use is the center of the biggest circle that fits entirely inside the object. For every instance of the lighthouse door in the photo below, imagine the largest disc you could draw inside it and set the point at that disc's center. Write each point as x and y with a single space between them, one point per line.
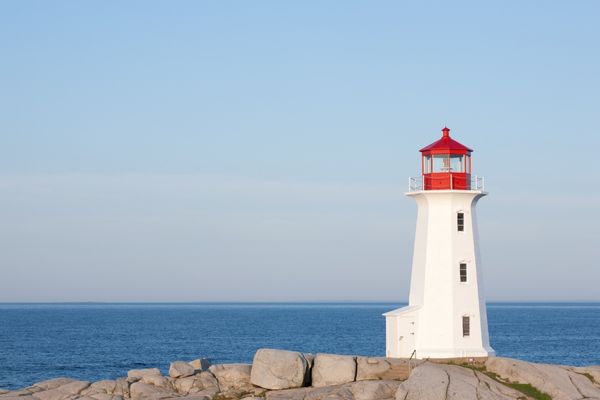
406 336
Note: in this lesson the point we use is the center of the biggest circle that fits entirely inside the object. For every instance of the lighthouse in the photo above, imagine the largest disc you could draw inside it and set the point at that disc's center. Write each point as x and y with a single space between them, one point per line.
446 315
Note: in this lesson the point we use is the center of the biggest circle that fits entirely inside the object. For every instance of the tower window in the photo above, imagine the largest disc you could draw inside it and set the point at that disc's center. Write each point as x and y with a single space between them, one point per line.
463 272
466 325
460 221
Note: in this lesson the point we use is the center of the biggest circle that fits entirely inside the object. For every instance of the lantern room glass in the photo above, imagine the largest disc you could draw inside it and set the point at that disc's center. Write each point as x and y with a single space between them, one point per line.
457 163
446 163
426 164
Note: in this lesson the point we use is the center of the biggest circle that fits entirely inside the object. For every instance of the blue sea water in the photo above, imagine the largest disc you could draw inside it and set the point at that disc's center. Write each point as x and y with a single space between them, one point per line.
103 341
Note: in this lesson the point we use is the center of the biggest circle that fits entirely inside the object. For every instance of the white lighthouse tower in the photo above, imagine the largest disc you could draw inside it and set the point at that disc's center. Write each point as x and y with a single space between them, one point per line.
446 315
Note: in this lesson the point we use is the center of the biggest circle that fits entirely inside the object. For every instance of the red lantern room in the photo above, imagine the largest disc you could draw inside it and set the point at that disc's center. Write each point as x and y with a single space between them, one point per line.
446 164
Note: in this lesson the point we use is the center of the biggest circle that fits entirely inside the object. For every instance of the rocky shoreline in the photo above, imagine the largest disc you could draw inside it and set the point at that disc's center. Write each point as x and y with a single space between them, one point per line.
288 375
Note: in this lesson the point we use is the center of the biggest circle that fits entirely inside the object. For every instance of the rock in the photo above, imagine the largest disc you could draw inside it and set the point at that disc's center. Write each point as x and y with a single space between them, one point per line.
197 396
181 369
310 358
559 382
200 364
233 378
140 373
17 395
450 382
62 392
330 369
373 390
100 396
107 389
203 382
278 369
592 371
304 393
365 390
121 388
145 391
53 383
157 380
372 368
105 386
101 387
369 368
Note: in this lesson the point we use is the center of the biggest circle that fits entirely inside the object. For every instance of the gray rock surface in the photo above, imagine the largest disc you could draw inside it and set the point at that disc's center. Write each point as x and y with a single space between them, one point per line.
369 368
560 382
592 371
140 373
331 369
278 369
63 392
201 364
181 369
377 379
204 382
234 379
145 391
365 390
450 382
157 380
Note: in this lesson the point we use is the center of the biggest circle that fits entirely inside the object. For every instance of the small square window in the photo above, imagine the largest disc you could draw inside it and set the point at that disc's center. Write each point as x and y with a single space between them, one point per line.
460 221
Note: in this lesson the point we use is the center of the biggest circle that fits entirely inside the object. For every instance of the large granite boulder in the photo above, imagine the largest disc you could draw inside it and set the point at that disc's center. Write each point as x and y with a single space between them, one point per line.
373 368
140 373
560 382
450 382
151 376
181 369
234 379
204 382
331 369
279 369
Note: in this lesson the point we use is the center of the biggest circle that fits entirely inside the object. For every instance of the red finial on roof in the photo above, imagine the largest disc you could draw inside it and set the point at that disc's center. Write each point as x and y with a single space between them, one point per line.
446 131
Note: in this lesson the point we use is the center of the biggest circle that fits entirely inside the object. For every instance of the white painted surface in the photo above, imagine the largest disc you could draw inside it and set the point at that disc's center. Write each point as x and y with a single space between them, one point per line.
431 325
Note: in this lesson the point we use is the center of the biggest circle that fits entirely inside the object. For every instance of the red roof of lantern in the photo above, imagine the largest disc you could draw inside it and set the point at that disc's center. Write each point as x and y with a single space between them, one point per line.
446 144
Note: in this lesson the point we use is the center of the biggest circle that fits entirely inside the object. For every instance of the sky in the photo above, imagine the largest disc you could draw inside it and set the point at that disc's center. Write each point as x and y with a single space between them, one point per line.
260 150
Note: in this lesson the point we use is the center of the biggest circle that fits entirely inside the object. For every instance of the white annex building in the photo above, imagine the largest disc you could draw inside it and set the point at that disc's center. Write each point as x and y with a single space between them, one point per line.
446 315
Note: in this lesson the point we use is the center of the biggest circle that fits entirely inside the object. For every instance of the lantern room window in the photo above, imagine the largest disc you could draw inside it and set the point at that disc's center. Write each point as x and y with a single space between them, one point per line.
457 163
441 163
427 164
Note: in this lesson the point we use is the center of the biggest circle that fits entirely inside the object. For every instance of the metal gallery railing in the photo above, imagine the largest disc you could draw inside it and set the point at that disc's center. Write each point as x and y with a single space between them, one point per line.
448 182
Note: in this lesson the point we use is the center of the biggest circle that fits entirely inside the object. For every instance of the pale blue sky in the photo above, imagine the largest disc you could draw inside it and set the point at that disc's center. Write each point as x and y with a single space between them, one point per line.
256 150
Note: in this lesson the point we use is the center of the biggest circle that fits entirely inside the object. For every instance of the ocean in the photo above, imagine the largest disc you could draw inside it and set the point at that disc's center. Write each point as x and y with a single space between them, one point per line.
103 341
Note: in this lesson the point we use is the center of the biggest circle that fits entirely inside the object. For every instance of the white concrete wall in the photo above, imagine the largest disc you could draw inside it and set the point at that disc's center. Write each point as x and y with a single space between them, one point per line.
438 300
